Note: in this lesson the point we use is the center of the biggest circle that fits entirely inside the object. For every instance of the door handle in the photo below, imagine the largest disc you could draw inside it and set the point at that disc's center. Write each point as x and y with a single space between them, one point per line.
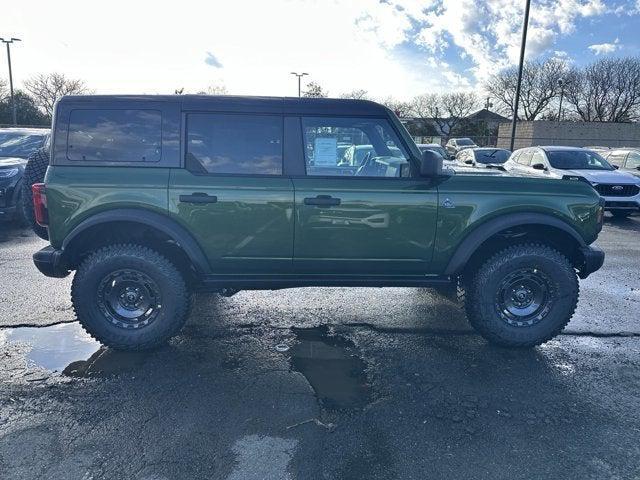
198 197
322 201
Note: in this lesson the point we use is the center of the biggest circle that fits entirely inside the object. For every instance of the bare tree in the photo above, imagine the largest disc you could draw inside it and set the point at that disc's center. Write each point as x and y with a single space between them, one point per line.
425 107
445 110
540 87
45 89
214 90
607 90
399 107
455 107
314 90
4 89
357 94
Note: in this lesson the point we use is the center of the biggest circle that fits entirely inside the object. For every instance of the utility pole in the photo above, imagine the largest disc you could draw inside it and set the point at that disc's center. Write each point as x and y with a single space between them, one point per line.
13 100
299 75
561 83
523 45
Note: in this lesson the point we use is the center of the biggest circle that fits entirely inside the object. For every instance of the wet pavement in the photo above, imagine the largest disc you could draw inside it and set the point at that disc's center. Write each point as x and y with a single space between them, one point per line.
321 383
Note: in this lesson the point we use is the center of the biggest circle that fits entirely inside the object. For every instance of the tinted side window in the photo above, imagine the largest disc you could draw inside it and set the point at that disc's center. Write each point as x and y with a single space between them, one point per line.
115 135
235 143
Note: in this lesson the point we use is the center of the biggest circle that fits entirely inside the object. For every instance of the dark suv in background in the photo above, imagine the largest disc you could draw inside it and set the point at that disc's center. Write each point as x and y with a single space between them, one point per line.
16 145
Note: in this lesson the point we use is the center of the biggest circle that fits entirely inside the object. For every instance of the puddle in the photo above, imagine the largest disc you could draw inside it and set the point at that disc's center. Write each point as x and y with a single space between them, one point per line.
333 368
68 350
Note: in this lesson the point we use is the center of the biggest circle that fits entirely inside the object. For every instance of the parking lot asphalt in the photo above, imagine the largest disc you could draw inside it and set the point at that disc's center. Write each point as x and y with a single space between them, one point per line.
321 383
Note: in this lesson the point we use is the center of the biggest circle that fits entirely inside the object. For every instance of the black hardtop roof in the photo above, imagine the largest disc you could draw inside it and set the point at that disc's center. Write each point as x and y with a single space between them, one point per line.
246 104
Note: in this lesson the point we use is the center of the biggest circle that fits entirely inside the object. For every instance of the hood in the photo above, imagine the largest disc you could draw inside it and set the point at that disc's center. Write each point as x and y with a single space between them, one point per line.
604 176
12 162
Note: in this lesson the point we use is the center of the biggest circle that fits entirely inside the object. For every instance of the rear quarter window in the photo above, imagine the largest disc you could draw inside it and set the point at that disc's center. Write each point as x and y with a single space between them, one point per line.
236 144
126 136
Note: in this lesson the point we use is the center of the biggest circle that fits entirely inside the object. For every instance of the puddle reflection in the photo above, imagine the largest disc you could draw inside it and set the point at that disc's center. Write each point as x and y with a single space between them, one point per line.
69 350
333 368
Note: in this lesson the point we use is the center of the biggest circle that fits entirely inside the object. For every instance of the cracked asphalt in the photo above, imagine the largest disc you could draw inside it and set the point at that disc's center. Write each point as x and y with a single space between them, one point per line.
321 383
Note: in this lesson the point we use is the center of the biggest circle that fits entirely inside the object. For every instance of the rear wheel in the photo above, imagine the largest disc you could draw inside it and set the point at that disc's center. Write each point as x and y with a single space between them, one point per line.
522 296
130 297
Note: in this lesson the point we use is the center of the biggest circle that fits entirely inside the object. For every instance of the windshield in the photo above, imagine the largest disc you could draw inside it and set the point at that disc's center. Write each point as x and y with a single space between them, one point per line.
492 156
464 141
19 144
577 160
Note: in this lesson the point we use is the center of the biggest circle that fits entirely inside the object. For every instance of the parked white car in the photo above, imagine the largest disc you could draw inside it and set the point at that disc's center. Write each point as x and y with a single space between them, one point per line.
454 145
620 190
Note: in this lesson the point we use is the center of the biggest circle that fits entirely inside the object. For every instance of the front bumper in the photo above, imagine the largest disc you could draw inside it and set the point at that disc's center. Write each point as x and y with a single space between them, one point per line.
622 203
50 263
593 258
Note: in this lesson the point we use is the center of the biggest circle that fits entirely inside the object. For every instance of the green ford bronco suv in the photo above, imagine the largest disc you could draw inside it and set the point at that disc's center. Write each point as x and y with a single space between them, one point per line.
152 198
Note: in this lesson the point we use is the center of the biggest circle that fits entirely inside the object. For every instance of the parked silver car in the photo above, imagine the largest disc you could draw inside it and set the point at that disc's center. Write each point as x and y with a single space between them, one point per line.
620 190
454 145
626 159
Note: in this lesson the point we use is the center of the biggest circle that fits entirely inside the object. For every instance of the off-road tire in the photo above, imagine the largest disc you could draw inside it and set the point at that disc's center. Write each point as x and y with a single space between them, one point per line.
483 295
620 213
87 301
33 173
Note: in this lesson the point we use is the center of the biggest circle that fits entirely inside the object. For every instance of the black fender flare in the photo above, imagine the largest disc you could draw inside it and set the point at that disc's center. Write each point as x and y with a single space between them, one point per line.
160 222
487 229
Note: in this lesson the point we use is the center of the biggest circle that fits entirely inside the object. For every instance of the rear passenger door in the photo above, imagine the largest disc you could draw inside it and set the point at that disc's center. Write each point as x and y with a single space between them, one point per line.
232 195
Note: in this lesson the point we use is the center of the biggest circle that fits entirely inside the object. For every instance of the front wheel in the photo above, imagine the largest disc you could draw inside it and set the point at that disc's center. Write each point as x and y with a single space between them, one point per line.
522 296
129 297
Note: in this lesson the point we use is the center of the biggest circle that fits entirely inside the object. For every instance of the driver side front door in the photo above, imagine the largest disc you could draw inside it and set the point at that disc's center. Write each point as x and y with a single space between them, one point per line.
366 220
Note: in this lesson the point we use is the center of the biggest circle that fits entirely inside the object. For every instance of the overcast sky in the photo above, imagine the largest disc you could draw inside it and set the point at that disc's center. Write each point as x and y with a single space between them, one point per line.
387 47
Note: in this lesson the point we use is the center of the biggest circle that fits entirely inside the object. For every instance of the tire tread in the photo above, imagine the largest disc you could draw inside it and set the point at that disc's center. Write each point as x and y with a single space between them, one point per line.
178 285
473 291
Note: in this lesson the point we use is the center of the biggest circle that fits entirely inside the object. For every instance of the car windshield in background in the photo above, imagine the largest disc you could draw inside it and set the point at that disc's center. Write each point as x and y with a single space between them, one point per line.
19 144
439 150
464 142
577 160
492 156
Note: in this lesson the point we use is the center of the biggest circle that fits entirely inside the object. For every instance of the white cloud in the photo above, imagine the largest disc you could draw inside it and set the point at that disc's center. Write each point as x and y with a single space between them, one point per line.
152 47
489 32
604 48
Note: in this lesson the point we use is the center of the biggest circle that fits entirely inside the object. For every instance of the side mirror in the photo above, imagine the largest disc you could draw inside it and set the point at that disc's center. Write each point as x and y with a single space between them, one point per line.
638 167
538 166
469 162
430 164
616 167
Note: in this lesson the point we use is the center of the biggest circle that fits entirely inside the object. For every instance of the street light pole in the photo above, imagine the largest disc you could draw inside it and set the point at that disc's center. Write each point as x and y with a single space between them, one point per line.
299 75
523 45
561 84
13 101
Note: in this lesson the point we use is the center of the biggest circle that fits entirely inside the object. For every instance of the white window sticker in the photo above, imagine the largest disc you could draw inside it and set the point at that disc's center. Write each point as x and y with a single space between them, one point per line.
325 151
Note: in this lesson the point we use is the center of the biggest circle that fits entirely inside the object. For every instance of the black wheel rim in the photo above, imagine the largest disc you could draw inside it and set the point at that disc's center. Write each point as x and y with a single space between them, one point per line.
524 297
129 299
